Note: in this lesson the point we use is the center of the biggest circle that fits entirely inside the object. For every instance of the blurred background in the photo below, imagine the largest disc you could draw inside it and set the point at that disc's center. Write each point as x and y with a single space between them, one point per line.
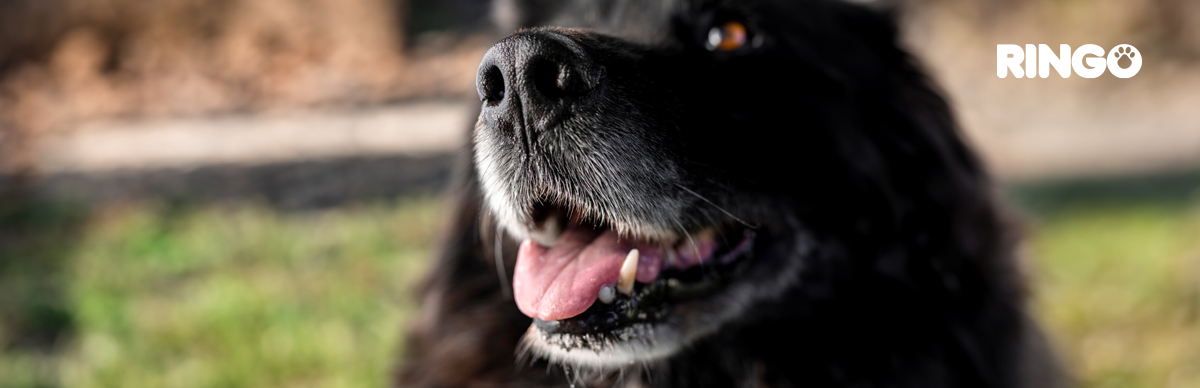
244 193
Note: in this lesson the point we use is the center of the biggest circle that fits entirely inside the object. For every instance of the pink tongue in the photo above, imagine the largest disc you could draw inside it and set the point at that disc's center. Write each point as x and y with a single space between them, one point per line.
562 281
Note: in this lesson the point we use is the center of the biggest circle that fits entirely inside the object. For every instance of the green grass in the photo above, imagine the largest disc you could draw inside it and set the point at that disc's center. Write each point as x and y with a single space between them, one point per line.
220 295
232 296
1119 290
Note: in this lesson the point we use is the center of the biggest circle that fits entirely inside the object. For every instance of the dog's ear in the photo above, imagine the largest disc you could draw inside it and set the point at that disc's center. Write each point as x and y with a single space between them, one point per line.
511 15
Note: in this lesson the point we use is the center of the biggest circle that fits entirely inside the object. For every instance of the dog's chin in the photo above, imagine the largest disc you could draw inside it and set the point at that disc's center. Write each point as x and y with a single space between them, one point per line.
639 344
768 265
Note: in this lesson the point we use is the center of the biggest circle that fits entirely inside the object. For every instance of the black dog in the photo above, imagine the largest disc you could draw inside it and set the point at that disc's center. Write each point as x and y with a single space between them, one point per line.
700 193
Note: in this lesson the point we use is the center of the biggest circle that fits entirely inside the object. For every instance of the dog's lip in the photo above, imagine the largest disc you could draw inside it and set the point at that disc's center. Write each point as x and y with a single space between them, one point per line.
586 263
562 281
653 300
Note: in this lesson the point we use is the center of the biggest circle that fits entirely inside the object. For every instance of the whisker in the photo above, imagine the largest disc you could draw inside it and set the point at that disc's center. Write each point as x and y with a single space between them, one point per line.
720 232
498 257
727 213
646 372
692 242
525 358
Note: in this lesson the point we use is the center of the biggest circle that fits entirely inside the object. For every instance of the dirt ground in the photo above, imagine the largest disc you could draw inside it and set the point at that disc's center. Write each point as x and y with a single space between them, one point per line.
65 64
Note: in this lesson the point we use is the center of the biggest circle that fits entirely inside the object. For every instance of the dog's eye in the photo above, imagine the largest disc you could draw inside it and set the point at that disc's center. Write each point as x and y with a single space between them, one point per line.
728 36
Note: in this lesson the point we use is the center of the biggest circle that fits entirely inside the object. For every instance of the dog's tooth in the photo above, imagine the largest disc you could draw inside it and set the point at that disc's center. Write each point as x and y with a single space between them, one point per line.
607 294
628 273
709 234
672 257
548 233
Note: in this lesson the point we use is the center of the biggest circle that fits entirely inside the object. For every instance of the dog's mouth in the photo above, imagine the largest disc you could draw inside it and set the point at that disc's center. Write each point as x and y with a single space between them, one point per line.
587 286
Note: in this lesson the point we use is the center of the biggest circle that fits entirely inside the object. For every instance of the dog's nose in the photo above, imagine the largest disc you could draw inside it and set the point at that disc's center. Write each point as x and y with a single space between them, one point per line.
532 77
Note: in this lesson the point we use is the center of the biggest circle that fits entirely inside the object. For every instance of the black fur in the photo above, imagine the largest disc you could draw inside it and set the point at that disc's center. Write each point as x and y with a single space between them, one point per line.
825 137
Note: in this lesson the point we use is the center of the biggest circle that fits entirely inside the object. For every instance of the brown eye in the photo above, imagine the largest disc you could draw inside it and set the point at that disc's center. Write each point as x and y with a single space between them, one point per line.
728 36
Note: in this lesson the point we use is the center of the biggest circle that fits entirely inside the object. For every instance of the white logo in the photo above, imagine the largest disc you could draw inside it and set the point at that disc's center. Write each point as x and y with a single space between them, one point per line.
1088 61
1127 53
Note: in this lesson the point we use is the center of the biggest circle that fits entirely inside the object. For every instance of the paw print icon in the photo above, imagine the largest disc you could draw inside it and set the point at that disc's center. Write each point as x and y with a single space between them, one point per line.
1124 61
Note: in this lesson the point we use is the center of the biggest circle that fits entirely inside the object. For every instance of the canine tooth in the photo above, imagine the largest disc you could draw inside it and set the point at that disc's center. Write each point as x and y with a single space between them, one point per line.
607 294
628 273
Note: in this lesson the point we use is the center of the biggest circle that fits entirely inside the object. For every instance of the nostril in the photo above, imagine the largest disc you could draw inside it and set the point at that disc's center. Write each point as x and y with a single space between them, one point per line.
492 86
548 78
